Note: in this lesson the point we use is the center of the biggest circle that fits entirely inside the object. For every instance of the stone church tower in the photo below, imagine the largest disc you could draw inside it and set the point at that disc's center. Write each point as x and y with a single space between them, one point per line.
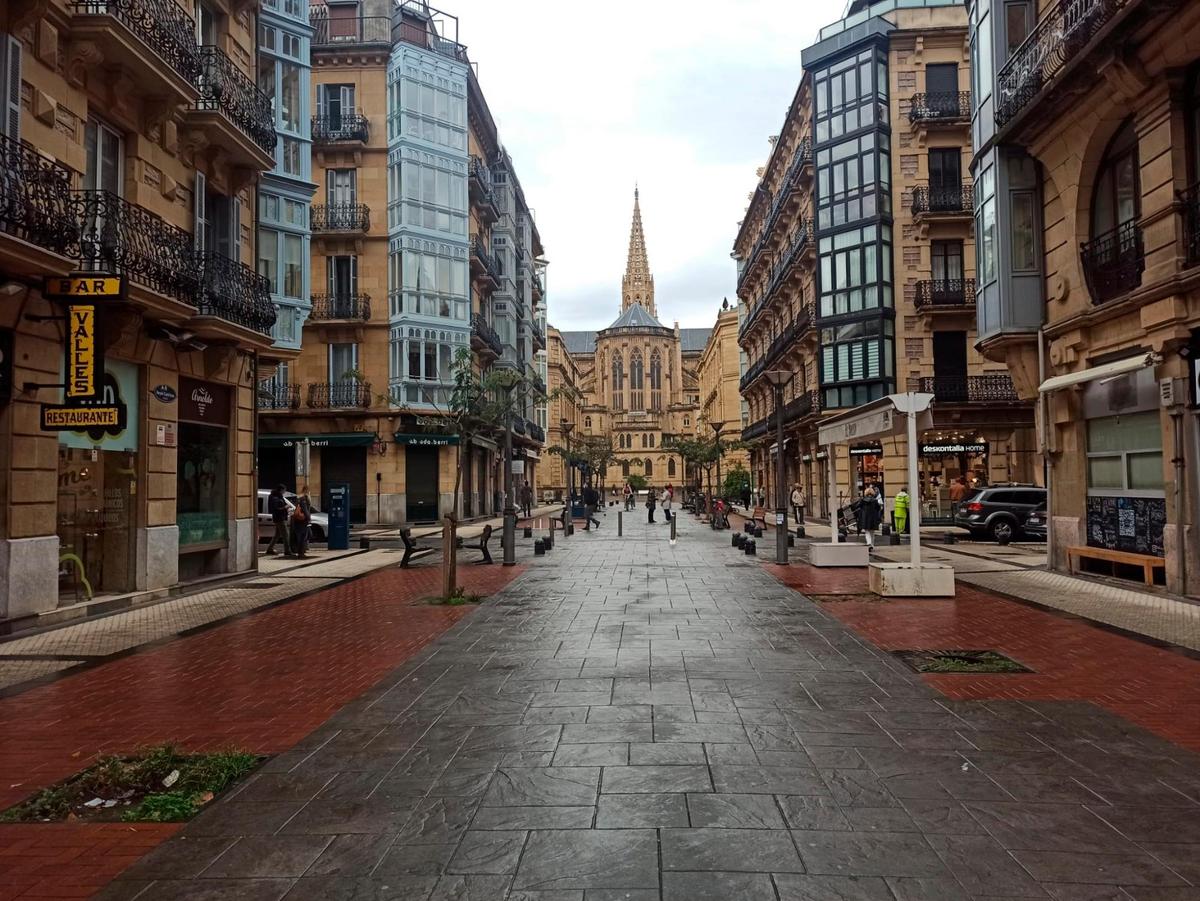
638 284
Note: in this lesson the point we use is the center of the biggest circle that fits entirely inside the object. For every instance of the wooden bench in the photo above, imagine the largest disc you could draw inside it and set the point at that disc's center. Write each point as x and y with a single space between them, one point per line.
759 515
1147 562
481 545
412 550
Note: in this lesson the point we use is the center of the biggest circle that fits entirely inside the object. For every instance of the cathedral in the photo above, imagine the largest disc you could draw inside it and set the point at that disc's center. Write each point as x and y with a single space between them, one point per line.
637 377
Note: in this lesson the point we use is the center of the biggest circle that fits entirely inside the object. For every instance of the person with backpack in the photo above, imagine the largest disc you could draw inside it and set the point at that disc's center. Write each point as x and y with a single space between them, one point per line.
301 517
278 508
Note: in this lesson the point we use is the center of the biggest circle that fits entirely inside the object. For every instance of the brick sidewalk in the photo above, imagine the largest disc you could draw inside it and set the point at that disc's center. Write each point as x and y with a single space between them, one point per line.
260 683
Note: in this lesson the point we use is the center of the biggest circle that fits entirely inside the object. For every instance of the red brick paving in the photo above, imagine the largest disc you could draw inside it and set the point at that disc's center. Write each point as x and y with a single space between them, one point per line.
260 683
1157 688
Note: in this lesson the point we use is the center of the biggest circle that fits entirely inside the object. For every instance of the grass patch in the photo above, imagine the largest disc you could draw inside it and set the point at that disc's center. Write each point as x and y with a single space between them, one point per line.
457 598
157 785
960 662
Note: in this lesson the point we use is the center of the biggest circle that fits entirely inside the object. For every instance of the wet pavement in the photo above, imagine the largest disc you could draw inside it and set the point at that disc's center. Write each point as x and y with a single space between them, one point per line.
637 720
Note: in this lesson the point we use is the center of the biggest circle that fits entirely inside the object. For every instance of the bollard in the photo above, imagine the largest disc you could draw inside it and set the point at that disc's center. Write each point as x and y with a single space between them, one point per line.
751 549
620 522
791 541
739 540
548 541
894 538
733 540
539 548
672 530
800 532
949 539
528 532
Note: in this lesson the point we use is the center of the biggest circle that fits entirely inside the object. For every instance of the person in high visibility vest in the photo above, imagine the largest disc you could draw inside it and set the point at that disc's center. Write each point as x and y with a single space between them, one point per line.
900 510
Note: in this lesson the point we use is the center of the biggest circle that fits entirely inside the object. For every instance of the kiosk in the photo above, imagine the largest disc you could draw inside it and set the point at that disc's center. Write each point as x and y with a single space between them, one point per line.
339 516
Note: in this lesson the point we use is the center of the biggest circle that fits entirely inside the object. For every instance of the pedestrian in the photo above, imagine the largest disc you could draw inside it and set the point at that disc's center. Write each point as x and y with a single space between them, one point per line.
958 491
666 503
278 508
590 500
301 517
627 491
527 499
762 496
651 501
798 503
870 514
745 498
900 510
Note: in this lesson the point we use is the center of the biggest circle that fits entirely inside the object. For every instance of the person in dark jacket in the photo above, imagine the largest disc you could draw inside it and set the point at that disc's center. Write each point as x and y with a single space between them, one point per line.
527 499
870 514
590 500
278 509
301 517
651 503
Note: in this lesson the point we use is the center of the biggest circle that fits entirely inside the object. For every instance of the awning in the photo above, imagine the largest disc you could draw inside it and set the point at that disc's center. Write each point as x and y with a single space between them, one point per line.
1107 370
422 440
876 419
331 439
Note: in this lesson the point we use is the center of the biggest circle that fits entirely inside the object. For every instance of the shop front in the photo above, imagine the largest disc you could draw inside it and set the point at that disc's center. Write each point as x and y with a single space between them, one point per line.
943 460
427 467
202 477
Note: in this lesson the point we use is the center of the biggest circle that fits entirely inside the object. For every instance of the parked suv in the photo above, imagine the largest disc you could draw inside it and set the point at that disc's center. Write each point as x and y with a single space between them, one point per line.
998 512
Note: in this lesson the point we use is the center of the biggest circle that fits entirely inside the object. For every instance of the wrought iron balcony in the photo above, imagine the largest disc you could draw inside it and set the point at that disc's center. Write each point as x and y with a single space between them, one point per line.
482 261
161 25
120 237
347 395
940 106
35 199
234 292
347 31
539 386
756 429
947 293
970 389
479 181
536 432
943 199
278 397
341 217
226 89
539 336
1061 36
1113 262
484 336
341 306
518 425
349 126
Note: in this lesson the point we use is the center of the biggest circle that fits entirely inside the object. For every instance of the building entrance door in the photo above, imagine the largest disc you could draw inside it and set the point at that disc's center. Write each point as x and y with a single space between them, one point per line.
421 481
346 464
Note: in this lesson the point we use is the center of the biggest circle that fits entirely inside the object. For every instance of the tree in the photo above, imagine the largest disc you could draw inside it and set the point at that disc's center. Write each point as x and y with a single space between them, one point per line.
592 452
737 481
637 482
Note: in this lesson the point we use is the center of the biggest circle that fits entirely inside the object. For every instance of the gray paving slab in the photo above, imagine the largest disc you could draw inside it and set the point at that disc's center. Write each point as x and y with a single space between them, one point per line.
639 721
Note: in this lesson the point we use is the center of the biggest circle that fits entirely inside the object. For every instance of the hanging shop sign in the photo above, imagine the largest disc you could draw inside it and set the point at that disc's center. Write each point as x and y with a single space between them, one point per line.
806 458
822 455
82 416
81 350
109 421
425 440
872 449
951 448
164 393
203 402
83 286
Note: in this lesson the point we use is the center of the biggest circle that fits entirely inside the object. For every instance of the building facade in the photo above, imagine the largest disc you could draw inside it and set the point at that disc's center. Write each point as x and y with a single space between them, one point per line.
564 408
423 252
1085 165
637 377
718 373
133 140
856 265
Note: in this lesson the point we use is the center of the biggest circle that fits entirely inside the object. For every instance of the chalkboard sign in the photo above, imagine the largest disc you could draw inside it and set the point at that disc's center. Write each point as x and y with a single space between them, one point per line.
1127 524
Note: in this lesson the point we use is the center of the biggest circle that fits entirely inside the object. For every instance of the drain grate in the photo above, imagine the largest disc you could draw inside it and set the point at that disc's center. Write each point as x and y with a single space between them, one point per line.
958 661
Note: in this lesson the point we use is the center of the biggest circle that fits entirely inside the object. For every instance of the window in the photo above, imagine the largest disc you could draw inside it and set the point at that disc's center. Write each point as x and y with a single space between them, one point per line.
587 423
849 176
687 420
1024 221
268 256
856 271
105 158
434 285
671 467
645 441
1018 21
857 353
618 382
945 170
333 102
290 114
986 226
1117 195
343 362
655 380
941 78
293 266
292 157
648 467
850 94
434 194
1124 453
341 186
428 108
636 400
947 260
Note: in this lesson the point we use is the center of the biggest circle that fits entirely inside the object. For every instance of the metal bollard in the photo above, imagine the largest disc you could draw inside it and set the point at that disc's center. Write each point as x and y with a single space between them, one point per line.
539 548
672 530
733 539
949 539
620 522
528 532
791 541
800 531
751 549
548 541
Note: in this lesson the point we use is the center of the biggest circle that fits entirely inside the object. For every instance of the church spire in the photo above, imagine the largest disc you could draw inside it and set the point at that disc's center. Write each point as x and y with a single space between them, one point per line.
638 284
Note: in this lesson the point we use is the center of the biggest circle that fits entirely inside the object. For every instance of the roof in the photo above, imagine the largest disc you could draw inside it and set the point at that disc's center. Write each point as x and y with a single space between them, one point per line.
693 339
579 342
636 316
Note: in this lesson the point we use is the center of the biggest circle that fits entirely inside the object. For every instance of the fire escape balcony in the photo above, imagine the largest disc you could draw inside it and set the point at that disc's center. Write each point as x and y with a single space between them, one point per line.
484 266
348 308
479 184
344 395
971 389
233 113
39 233
340 218
940 108
945 295
344 128
943 201
484 339
233 294
1113 262
153 41
279 397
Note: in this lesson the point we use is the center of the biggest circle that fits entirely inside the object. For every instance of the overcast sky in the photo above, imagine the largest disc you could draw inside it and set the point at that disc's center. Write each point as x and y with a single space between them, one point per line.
678 96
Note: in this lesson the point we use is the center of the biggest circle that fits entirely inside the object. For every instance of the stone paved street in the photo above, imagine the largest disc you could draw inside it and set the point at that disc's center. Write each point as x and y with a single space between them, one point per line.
634 720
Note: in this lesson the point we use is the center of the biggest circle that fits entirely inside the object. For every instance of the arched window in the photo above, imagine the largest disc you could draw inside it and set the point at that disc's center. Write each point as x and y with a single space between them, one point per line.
625 468
648 467
671 467
621 442
644 444
587 423
652 440
1113 259
618 382
636 399
655 380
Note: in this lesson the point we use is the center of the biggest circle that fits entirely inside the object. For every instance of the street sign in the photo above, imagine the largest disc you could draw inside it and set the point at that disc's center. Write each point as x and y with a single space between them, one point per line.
83 286
780 519
81 350
77 417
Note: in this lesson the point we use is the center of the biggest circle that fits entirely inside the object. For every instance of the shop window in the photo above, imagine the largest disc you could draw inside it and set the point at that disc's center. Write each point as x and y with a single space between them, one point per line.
1125 453
202 482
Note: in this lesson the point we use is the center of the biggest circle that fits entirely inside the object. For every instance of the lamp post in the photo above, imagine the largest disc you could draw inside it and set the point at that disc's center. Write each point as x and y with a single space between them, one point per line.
567 428
779 379
716 427
508 380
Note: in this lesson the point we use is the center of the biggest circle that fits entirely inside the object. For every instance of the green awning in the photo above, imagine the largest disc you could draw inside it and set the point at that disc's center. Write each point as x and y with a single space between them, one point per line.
332 439
422 440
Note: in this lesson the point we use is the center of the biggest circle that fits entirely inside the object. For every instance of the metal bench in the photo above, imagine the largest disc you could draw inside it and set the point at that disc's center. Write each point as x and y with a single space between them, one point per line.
481 545
412 550
1147 562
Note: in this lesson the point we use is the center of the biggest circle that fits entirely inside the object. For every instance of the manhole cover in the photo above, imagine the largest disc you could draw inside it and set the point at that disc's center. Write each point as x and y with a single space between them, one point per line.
957 661
259 585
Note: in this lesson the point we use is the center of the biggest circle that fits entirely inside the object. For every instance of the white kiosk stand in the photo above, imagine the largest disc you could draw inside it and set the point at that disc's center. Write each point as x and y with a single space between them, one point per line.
889 415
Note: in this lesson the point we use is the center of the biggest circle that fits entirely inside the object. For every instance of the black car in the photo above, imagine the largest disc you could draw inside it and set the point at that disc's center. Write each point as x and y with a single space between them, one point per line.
999 512
1035 524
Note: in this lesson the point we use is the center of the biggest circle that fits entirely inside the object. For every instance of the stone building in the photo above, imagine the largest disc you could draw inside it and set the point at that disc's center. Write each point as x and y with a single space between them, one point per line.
131 143
718 372
637 377
423 248
565 403
1086 148
856 264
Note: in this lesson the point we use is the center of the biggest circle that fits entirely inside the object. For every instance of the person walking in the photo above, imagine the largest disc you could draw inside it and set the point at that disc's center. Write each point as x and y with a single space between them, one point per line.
301 517
957 492
900 511
590 500
870 514
667 496
527 499
651 502
798 503
278 509
627 491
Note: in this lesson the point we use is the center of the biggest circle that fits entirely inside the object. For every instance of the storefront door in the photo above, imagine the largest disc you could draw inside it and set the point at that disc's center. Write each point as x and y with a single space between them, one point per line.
349 465
421 483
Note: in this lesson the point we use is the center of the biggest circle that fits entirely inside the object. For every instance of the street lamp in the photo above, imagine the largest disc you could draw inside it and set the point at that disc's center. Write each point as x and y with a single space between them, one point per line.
567 428
716 427
508 379
779 379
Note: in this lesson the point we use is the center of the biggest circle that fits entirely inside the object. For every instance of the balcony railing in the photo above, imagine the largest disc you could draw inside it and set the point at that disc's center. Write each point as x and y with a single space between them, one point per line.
278 397
483 331
349 126
539 336
346 395
120 237
341 306
1113 262
1061 35
226 89
536 432
518 425
343 31
489 263
235 292
341 217
35 199
943 199
161 24
946 292
537 384
940 106
970 389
